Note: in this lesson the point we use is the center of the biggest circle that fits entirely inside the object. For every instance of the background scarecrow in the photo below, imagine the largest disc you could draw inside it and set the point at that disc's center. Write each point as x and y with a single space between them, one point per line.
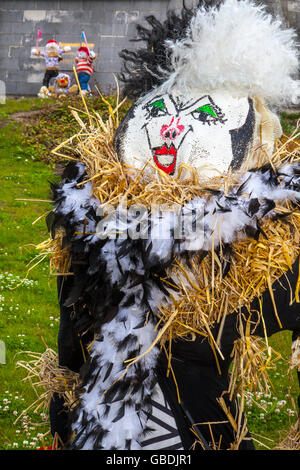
84 67
52 54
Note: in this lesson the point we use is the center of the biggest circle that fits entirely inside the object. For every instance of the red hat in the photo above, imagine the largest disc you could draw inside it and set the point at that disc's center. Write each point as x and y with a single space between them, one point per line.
51 41
84 49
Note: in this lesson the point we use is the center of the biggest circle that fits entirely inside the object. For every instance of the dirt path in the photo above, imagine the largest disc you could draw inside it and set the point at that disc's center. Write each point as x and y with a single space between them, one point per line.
23 116
28 115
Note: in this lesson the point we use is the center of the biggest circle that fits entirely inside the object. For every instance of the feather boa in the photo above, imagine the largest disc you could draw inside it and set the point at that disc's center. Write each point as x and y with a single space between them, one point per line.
117 291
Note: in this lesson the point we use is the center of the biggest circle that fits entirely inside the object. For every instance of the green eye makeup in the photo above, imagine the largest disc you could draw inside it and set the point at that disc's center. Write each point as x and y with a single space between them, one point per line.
207 109
158 104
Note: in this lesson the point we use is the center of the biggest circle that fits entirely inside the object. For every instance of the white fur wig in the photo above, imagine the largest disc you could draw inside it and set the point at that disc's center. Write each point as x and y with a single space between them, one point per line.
239 47
236 46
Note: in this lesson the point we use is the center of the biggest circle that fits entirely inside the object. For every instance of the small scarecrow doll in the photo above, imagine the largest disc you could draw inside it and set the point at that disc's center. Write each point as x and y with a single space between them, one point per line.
53 55
202 265
60 86
84 67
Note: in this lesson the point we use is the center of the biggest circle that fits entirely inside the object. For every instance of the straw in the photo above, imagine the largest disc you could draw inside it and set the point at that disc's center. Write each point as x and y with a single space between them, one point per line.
205 297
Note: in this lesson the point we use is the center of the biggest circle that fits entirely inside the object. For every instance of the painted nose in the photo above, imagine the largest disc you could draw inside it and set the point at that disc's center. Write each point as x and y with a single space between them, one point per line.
172 130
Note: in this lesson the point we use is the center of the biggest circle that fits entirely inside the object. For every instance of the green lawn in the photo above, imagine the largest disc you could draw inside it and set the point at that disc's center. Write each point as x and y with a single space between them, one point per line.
26 310
29 314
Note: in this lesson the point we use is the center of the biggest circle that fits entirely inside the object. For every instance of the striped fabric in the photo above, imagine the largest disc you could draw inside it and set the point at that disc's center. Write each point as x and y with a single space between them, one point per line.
164 434
85 65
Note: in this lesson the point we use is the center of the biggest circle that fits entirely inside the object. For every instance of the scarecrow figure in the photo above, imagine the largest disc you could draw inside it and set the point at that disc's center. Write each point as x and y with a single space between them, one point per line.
153 317
60 87
84 67
53 55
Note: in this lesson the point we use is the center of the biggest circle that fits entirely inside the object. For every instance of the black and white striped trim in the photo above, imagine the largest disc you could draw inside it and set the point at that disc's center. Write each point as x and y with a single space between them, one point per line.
164 434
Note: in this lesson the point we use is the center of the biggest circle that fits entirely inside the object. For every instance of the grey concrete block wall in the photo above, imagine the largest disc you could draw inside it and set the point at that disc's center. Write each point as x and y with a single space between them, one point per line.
288 9
108 24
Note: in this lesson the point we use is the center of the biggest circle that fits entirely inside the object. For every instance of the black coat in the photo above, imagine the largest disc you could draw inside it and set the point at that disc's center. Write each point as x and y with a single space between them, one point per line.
194 365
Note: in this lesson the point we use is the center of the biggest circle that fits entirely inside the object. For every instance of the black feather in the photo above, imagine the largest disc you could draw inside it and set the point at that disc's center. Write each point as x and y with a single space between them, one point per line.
120 414
109 369
253 207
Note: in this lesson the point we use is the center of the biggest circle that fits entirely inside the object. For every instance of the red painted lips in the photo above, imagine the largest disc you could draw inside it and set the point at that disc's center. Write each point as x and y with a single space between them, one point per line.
162 157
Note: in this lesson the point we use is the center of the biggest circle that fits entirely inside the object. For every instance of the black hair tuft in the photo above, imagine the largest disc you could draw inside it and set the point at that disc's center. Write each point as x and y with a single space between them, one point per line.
147 67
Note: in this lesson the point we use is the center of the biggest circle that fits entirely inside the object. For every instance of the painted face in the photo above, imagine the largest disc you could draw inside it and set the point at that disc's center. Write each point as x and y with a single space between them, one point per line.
82 55
209 132
63 80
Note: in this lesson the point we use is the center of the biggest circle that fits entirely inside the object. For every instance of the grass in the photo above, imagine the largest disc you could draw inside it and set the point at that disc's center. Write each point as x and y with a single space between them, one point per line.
29 314
288 121
19 105
26 310
271 414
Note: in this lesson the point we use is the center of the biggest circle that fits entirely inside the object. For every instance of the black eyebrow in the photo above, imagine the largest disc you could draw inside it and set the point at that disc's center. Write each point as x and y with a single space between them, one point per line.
196 101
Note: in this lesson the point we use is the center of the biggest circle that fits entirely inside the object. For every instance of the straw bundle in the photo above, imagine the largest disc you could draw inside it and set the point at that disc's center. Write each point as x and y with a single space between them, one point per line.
292 440
44 372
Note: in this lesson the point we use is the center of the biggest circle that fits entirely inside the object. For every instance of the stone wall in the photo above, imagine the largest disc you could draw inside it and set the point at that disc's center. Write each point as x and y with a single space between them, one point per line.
291 11
109 25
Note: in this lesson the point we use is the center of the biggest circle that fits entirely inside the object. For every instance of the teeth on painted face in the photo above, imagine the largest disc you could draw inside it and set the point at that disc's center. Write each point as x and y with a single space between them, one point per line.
165 160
